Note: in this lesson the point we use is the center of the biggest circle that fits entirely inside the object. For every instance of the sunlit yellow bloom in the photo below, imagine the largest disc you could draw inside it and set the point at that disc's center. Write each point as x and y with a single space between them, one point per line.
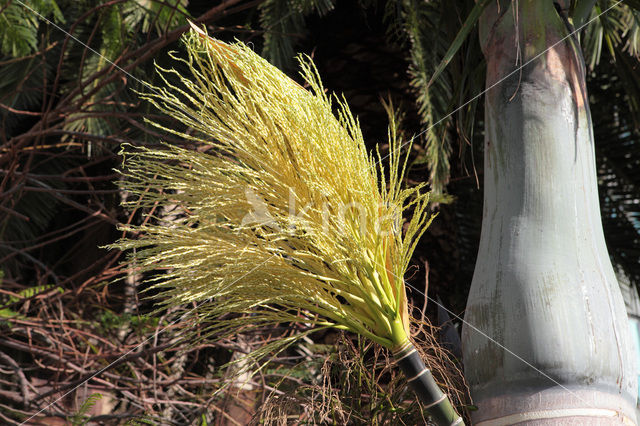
287 217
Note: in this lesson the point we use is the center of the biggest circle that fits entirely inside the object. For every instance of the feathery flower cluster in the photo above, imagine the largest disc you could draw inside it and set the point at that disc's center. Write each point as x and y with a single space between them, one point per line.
287 217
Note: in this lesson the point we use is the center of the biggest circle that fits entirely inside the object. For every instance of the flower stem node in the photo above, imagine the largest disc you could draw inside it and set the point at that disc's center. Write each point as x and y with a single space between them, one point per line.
421 381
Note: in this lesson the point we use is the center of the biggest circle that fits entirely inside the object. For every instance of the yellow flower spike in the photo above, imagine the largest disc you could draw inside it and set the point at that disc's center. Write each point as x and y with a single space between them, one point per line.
287 219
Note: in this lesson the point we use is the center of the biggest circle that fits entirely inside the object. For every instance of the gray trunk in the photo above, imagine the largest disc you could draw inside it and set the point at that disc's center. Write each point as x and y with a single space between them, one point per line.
543 286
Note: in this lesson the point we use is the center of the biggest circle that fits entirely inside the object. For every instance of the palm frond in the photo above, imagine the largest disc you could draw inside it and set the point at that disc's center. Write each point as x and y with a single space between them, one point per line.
283 22
430 28
19 25
155 16
616 34
617 143
617 31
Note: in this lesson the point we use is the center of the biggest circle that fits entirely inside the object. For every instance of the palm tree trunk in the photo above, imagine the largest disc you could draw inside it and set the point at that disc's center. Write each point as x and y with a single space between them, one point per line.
543 285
